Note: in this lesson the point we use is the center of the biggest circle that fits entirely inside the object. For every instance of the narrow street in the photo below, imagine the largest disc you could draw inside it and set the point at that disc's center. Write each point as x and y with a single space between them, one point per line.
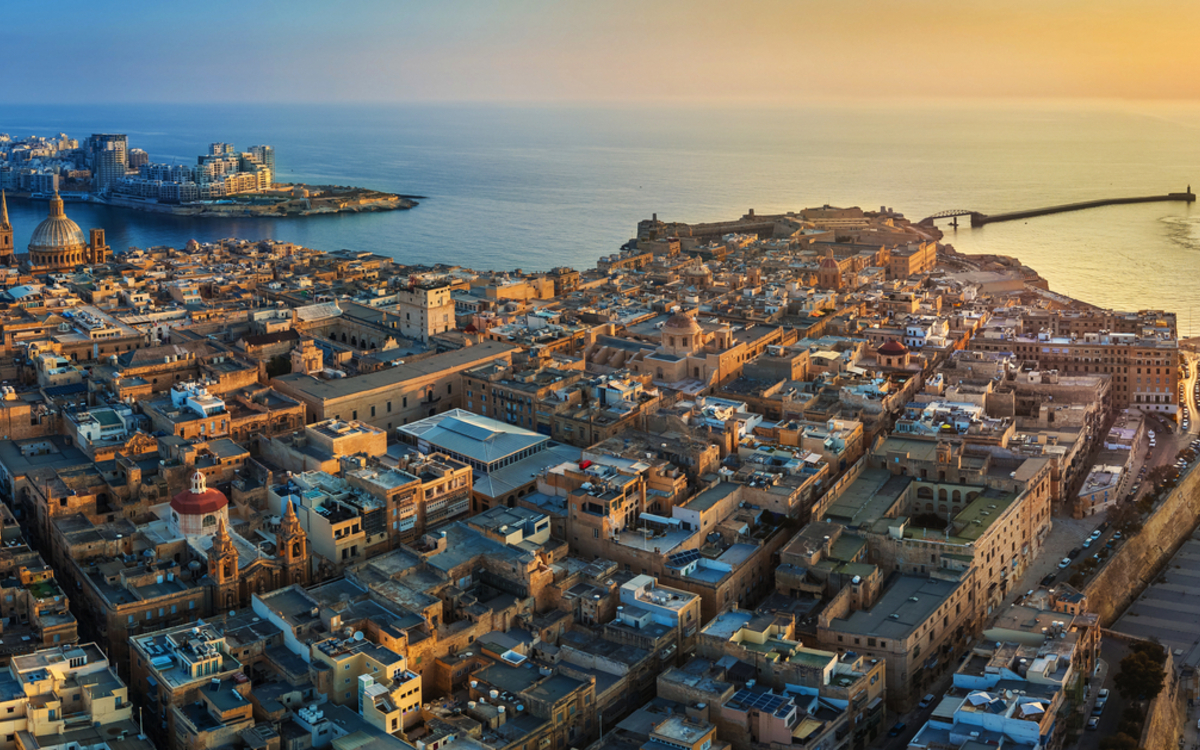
1111 653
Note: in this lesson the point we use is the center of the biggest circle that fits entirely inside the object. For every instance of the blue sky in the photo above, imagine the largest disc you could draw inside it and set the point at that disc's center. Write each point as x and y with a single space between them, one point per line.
75 51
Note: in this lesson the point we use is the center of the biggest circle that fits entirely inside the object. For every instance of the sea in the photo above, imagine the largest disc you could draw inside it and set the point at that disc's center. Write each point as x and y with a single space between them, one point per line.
533 187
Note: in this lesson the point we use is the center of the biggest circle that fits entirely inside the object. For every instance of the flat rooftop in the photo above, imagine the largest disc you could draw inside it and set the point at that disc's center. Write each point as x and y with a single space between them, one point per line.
906 604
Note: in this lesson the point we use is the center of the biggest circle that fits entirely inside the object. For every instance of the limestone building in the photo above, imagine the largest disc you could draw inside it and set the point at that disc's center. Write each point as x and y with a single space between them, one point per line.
6 232
58 244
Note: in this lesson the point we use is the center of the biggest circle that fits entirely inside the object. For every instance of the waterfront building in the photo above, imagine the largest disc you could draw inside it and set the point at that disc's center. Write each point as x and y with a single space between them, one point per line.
138 158
265 156
109 158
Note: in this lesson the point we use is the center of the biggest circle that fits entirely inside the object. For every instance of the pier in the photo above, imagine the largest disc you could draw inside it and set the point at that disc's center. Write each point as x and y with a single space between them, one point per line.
980 219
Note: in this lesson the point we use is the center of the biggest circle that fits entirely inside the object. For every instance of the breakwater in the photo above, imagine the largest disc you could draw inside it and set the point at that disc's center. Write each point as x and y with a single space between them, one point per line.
979 220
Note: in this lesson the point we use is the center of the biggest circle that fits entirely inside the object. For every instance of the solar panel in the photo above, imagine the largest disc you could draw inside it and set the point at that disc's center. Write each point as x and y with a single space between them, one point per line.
679 559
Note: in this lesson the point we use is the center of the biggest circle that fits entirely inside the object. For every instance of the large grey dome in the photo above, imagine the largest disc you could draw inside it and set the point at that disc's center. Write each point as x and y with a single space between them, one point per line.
57 232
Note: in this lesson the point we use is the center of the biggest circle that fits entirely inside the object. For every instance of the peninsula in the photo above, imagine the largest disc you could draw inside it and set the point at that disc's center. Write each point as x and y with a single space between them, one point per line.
222 183
812 476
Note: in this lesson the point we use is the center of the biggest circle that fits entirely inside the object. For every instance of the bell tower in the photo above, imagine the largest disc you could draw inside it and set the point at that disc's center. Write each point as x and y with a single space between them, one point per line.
223 569
6 233
292 548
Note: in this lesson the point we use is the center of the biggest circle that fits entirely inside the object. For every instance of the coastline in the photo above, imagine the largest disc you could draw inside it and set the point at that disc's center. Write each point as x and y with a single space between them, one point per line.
284 200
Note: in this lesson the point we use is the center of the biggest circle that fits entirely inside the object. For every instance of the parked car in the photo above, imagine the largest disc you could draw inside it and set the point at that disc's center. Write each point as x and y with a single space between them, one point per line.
1074 553
927 701
1103 694
1096 534
1093 723
897 728
1048 580
1098 708
1066 563
1088 542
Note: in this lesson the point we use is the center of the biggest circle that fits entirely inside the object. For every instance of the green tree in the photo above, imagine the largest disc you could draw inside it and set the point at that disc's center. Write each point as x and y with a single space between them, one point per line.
1119 741
1142 675
1160 474
1124 516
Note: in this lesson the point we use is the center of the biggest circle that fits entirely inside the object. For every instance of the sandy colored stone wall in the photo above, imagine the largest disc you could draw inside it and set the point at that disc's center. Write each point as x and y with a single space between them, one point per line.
1165 717
1138 560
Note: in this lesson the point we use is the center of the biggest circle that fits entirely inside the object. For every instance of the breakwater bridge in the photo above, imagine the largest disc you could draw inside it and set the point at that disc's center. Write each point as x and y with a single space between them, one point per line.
980 219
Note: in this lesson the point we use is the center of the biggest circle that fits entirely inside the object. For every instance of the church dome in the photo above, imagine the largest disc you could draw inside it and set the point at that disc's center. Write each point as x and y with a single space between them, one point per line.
56 232
199 500
682 323
893 348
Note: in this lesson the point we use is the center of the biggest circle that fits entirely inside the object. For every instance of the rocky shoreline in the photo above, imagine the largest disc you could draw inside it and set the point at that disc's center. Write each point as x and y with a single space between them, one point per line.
281 201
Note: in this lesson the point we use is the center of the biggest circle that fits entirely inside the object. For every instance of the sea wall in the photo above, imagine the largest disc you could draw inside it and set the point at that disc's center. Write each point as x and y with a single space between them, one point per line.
1140 558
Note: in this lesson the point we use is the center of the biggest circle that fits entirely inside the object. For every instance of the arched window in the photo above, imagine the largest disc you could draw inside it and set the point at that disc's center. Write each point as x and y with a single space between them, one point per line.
209 520
942 494
929 507
925 493
956 496
297 549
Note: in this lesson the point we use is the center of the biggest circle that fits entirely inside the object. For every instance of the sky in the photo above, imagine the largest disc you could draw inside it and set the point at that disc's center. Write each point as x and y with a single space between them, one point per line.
604 51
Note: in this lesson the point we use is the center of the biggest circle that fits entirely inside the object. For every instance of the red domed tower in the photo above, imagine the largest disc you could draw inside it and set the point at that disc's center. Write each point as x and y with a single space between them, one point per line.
892 354
197 511
829 272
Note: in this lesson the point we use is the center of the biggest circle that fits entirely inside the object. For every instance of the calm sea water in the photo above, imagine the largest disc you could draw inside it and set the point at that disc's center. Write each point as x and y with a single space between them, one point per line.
535 187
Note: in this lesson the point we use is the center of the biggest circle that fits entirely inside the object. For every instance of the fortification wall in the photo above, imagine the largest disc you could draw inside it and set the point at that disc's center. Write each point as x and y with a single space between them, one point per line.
1138 560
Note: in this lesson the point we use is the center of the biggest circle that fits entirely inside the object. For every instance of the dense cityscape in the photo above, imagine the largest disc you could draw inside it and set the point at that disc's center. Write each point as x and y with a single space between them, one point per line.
222 182
807 480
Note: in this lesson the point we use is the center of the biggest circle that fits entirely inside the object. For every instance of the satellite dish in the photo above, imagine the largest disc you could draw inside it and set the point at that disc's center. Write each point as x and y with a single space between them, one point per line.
358 635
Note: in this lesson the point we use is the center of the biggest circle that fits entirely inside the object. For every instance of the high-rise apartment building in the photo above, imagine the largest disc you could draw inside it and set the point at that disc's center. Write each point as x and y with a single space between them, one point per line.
266 157
138 158
110 161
